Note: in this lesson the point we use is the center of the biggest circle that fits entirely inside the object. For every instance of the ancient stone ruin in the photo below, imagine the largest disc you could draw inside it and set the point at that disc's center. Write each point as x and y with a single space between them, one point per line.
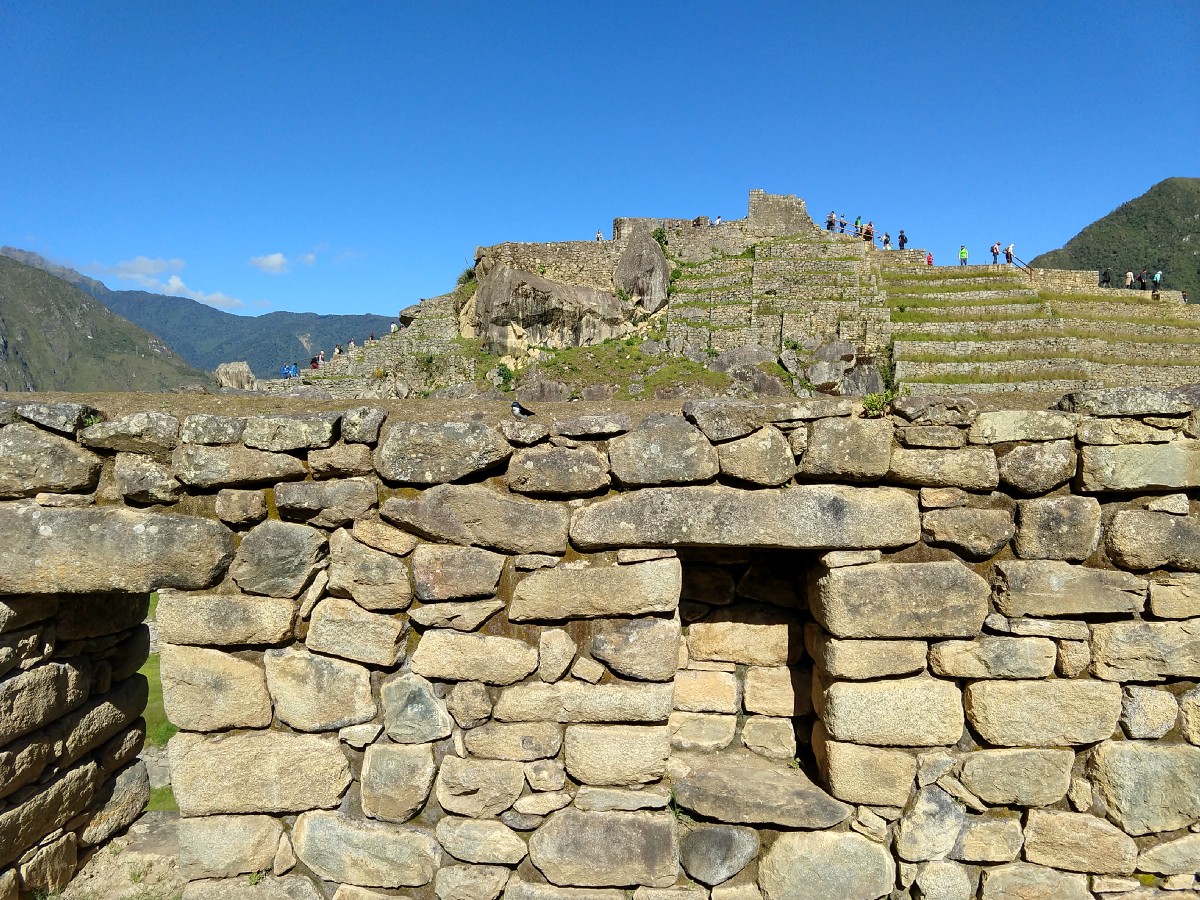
774 650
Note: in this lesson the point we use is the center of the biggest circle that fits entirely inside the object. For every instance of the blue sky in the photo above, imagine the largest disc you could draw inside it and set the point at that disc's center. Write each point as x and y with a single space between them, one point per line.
348 158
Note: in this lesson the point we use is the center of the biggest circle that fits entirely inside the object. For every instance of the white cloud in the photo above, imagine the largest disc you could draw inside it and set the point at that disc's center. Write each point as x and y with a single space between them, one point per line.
146 273
309 259
272 263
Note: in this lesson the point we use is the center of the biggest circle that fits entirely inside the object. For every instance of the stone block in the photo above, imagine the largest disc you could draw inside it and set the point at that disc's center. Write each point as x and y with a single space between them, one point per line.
284 433
223 619
827 517
32 461
994 657
820 865
850 449
31 699
524 741
227 846
396 780
717 692
466 616
209 429
663 449
763 458
777 691
1078 842
374 532
442 572
241 507
317 693
438 452
749 634
1148 786
361 424
1035 777
1140 467
556 652
1138 539
412 711
376 580
373 854
769 736
1022 425
480 841
1055 588
712 854
941 437
1024 881
575 702
1174 595
723 419
701 732
596 849
909 712
144 481
453 656
621 755
478 788
341 461
326 504
205 468
208 690
256 772
278 558
973 469
470 882
118 804
597 590
469 703
343 628
1065 528
862 659
1180 856
989 839
1146 651
927 409
871 775
645 648
1043 713
974 533
929 826
558 471
901 600
1148 712
44 810
1038 468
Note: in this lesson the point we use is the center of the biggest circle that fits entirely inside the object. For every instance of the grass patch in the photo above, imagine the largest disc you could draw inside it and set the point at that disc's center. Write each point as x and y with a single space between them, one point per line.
918 317
1035 356
1036 333
912 301
920 290
619 362
948 274
162 799
158 729
1131 320
1001 377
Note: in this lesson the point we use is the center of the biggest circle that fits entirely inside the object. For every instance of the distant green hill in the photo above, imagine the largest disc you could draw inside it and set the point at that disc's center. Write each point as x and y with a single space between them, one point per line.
1158 230
207 337
56 337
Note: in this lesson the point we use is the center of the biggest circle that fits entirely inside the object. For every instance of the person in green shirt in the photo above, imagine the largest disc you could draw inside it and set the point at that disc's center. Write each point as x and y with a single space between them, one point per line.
962 254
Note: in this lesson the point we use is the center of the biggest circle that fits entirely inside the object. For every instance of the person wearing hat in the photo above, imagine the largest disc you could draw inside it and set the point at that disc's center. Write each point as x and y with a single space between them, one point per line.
962 254
830 221
902 239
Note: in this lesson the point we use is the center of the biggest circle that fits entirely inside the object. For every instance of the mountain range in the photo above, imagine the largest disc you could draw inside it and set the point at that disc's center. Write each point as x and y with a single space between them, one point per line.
1158 230
206 337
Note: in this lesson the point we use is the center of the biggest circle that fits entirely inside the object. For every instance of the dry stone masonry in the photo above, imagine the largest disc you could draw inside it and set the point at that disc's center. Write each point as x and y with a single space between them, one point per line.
754 650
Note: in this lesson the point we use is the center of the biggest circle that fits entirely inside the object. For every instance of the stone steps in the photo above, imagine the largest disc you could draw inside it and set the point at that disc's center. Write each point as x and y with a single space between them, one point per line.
1064 347
955 299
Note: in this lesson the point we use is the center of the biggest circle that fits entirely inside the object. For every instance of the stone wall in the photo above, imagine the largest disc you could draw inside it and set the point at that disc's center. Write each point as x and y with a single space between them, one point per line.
768 649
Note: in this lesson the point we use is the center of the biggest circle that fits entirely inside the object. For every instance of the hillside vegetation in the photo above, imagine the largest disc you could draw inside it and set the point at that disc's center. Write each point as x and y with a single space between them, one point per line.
56 337
206 337
1158 230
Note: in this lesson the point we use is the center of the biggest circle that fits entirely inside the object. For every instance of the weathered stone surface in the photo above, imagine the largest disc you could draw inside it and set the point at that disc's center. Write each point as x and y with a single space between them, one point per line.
1148 712
975 533
994 657
71 551
341 461
239 507
820 865
118 804
1078 842
777 691
859 659
209 429
945 881
278 558
1175 595
281 433
454 656
1023 881
1177 857
361 424
289 887
751 634
207 690
256 772
1022 425
573 702
701 732
65 418
480 841
437 452
524 433
396 780
945 437
1043 713
1018 777
223 619
700 691
903 600
469 703
604 799
622 755
227 846
376 580
851 449
58 802
806 517
724 419
927 409
645 648
443 572
663 449
1146 651
343 628
592 849
712 854
32 461
143 480
1189 708
930 825
558 470
881 777
989 839
740 787
470 882
911 712
214 467
588 592
1054 588
522 890
764 457
478 516
973 469
1146 786
376 533
1138 539
140 432
1038 468
1137 467
1128 401
51 865
478 788
525 741
412 711
1121 431
339 848
328 504
1058 528
593 426
556 652
317 693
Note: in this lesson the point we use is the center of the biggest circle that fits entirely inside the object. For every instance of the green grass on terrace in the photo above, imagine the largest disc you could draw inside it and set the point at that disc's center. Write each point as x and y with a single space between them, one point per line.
920 290
1130 319
1036 355
945 273
1001 377
621 361
745 273
916 317
1033 334
910 301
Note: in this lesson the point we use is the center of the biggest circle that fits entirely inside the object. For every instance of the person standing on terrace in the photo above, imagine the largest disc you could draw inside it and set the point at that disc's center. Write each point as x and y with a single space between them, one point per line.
962 254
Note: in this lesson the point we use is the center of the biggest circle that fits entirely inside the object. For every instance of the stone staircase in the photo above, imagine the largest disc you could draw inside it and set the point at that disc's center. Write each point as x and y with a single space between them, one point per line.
988 329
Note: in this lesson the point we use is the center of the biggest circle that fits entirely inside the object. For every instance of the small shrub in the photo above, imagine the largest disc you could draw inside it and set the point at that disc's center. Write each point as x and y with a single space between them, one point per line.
255 877
466 277
622 295
660 236
875 405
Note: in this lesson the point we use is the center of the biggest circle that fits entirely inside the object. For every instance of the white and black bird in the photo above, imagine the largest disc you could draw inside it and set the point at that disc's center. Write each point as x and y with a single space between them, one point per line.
521 412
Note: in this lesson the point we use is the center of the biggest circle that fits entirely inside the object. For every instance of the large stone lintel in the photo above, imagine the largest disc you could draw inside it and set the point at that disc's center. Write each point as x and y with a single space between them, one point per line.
830 517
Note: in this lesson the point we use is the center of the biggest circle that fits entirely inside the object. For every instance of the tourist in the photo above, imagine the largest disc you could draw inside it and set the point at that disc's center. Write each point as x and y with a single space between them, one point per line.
284 371
314 363
372 337
351 344
842 224
1158 281
929 258
337 349
1185 299
903 239
858 226
995 253
1129 280
717 220
830 220
962 254
599 235
295 371
887 241
1008 254
1106 278
393 328
1141 279
321 358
